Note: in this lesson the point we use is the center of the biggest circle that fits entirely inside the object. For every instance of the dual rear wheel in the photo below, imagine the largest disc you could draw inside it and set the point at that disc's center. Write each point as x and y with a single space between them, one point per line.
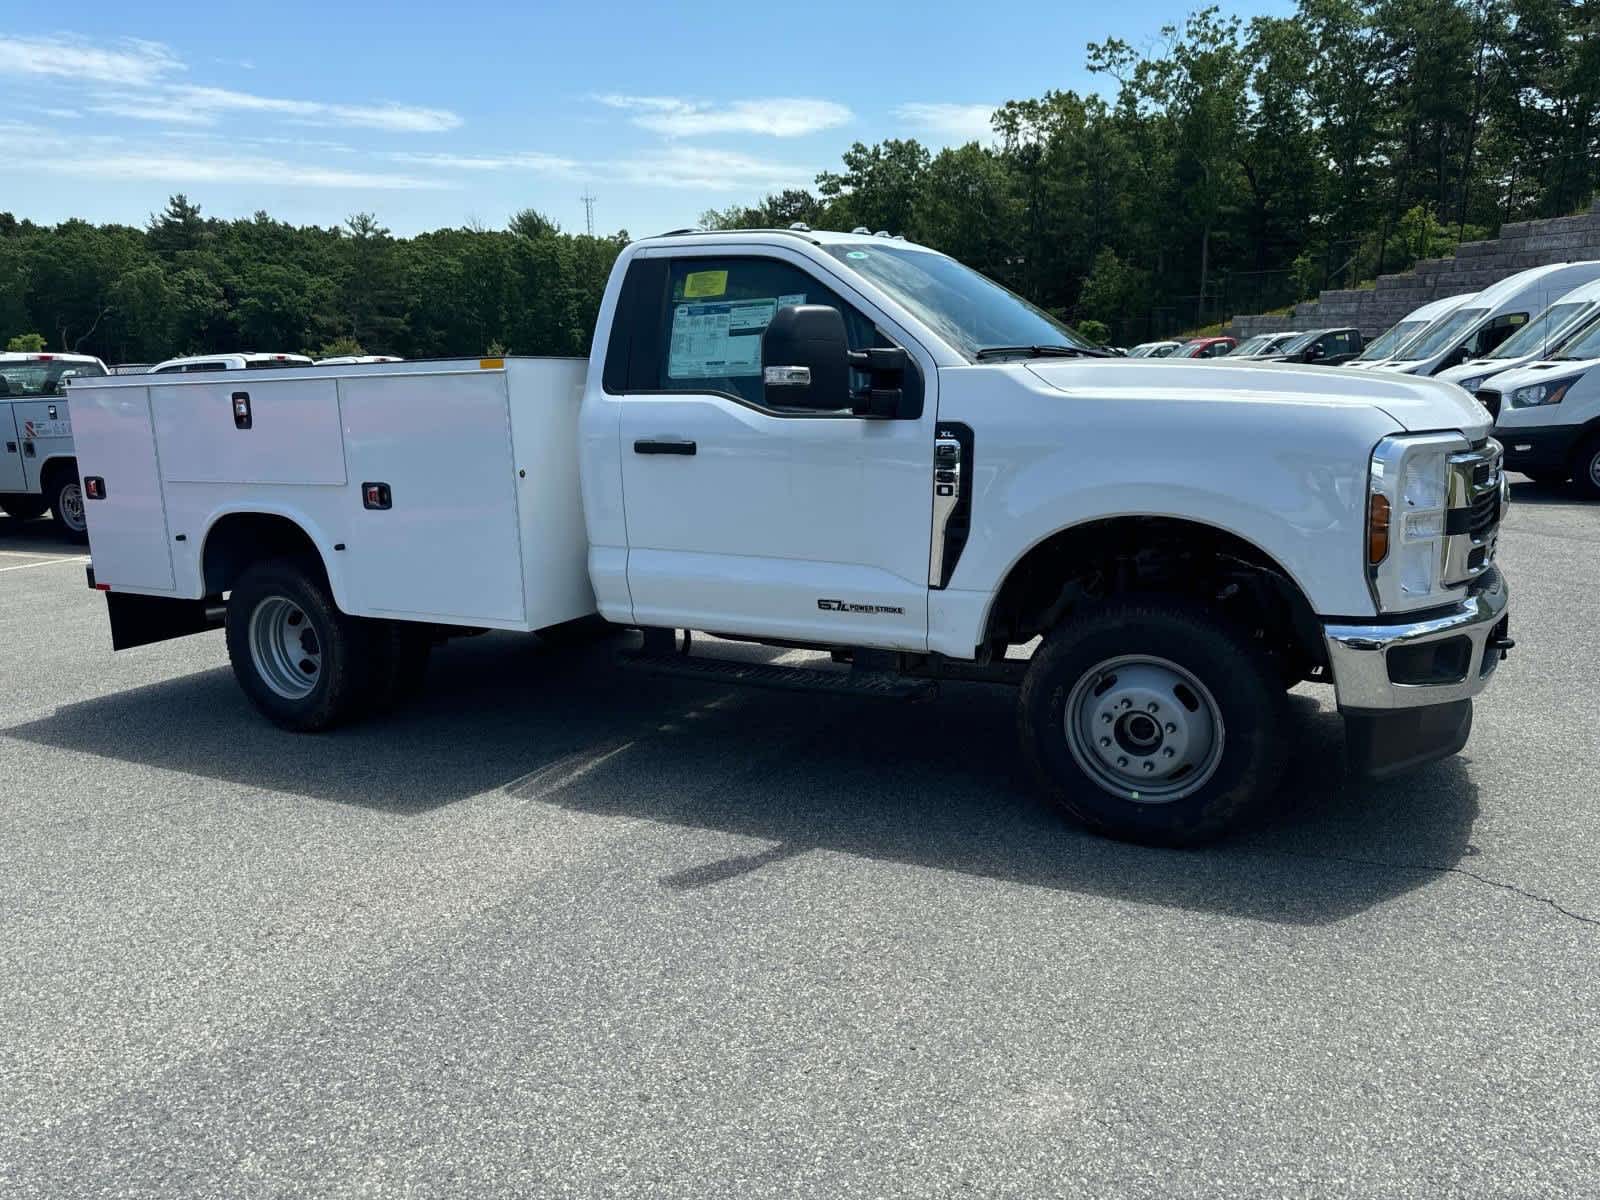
307 666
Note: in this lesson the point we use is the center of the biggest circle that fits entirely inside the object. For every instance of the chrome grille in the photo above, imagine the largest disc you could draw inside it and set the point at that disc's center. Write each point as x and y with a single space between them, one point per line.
1476 505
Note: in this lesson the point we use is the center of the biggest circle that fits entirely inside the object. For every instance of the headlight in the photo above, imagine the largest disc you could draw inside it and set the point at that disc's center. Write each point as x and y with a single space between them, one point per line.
1472 384
1542 393
1407 500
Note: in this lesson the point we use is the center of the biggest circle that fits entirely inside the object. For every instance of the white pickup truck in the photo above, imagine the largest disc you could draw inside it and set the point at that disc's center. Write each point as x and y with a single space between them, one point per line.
859 446
38 469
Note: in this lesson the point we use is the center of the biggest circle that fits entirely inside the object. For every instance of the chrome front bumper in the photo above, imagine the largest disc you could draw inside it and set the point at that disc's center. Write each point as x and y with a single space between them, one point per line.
1359 655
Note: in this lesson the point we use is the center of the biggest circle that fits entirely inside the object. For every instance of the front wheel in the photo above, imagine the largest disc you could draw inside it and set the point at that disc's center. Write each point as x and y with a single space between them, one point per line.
1153 722
304 664
1586 469
23 508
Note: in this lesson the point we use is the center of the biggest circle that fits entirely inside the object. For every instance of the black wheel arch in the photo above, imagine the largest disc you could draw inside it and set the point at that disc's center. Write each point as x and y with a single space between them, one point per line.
1097 560
237 541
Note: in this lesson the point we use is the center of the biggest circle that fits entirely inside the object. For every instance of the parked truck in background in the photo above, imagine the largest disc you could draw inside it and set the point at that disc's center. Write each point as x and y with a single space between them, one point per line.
859 446
39 467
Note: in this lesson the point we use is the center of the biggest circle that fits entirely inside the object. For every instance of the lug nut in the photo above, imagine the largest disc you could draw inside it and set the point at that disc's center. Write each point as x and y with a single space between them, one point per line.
1105 742
1122 762
1105 718
1152 707
1167 751
1149 766
1171 728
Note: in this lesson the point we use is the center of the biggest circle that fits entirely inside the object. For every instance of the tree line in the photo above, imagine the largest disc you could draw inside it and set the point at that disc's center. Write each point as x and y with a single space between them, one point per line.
1227 166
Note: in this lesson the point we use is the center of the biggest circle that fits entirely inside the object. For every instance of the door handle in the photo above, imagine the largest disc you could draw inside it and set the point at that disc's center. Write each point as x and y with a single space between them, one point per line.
646 446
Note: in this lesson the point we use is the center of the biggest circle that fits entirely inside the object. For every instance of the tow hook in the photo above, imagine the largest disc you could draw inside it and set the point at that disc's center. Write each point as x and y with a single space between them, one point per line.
1503 644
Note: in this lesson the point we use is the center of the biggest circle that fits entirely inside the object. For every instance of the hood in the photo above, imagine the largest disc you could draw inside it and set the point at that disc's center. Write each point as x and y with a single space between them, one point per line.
1416 403
1540 372
1478 369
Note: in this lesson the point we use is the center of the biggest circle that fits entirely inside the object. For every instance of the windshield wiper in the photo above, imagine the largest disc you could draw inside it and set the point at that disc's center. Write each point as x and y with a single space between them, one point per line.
1041 352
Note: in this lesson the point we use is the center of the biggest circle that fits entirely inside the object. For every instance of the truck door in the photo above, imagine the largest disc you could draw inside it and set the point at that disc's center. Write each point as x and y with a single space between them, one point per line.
742 517
116 444
12 478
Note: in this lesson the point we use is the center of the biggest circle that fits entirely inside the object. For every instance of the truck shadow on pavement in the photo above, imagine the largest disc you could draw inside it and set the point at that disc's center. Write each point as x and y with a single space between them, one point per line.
939 785
37 535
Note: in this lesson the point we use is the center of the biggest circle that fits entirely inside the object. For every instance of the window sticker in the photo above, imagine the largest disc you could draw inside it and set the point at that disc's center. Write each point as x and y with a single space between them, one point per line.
791 298
700 284
721 340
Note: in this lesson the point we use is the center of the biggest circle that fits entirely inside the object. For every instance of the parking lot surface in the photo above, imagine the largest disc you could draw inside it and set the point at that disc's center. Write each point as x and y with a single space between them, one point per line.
556 929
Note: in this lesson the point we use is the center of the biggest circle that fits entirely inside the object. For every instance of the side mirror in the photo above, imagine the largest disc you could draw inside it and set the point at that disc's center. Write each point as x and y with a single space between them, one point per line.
1314 352
806 358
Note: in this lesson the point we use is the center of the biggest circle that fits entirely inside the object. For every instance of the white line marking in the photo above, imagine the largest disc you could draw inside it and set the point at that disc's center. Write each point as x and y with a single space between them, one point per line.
49 562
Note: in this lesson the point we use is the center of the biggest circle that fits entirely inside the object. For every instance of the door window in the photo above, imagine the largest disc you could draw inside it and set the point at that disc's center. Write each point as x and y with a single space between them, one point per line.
713 316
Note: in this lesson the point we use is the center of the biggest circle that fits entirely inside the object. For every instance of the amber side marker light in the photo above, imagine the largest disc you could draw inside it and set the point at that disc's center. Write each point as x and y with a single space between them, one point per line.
1377 529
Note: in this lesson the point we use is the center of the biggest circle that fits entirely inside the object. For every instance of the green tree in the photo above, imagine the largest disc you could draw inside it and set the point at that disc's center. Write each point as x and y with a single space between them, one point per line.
25 343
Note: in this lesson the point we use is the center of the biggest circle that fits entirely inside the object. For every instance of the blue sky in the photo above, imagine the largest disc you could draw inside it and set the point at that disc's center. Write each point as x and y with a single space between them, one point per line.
446 114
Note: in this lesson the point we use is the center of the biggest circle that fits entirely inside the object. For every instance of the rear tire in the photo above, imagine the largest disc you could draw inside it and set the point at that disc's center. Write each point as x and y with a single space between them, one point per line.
304 664
66 504
1150 721
1586 469
23 508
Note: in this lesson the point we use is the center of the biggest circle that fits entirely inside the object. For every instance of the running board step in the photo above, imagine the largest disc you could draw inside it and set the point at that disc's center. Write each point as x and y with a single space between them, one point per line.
880 684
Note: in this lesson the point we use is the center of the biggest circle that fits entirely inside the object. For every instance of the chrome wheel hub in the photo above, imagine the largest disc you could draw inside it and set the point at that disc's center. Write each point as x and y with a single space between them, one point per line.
284 648
70 500
1144 728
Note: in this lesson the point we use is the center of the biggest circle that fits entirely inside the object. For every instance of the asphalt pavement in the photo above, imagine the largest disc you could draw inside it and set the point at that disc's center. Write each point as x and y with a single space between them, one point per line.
560 930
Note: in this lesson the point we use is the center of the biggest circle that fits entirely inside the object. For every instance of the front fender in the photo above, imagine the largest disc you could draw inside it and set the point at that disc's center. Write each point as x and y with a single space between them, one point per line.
1288 478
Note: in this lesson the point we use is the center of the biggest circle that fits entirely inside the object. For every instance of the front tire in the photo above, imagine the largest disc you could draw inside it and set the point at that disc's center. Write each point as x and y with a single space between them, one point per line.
23 508
66 505
304 664
1586 469
1153 722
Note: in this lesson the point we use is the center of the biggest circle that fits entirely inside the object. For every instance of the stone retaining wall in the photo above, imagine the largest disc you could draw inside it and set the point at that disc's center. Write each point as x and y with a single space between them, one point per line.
1521 244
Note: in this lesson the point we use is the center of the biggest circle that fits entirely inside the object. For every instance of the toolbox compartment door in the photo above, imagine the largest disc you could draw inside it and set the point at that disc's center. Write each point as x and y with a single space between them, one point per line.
128 537
445 547
289 435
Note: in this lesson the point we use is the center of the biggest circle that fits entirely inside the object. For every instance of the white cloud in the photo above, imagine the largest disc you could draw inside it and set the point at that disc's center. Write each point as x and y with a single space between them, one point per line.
707 170
777 117
523 161
107 157
960 122
129 62
146 107
393 118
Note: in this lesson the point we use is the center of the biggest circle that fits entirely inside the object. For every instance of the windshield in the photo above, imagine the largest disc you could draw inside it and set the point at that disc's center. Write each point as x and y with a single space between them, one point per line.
962 306
1443 334
1297 344
1165 350
1249 346
1532 337
1387 343
42 378
1585 343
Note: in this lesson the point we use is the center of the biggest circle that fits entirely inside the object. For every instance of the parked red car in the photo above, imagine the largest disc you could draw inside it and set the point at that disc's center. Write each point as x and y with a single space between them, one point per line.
1206 347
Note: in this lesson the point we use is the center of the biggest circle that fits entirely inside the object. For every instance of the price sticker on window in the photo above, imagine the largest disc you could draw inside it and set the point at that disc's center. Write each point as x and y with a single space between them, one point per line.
697 285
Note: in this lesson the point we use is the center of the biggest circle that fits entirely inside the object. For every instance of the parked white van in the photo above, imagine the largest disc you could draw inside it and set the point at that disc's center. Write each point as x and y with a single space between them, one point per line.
1548 413
1403 332
1498 312
1535 341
